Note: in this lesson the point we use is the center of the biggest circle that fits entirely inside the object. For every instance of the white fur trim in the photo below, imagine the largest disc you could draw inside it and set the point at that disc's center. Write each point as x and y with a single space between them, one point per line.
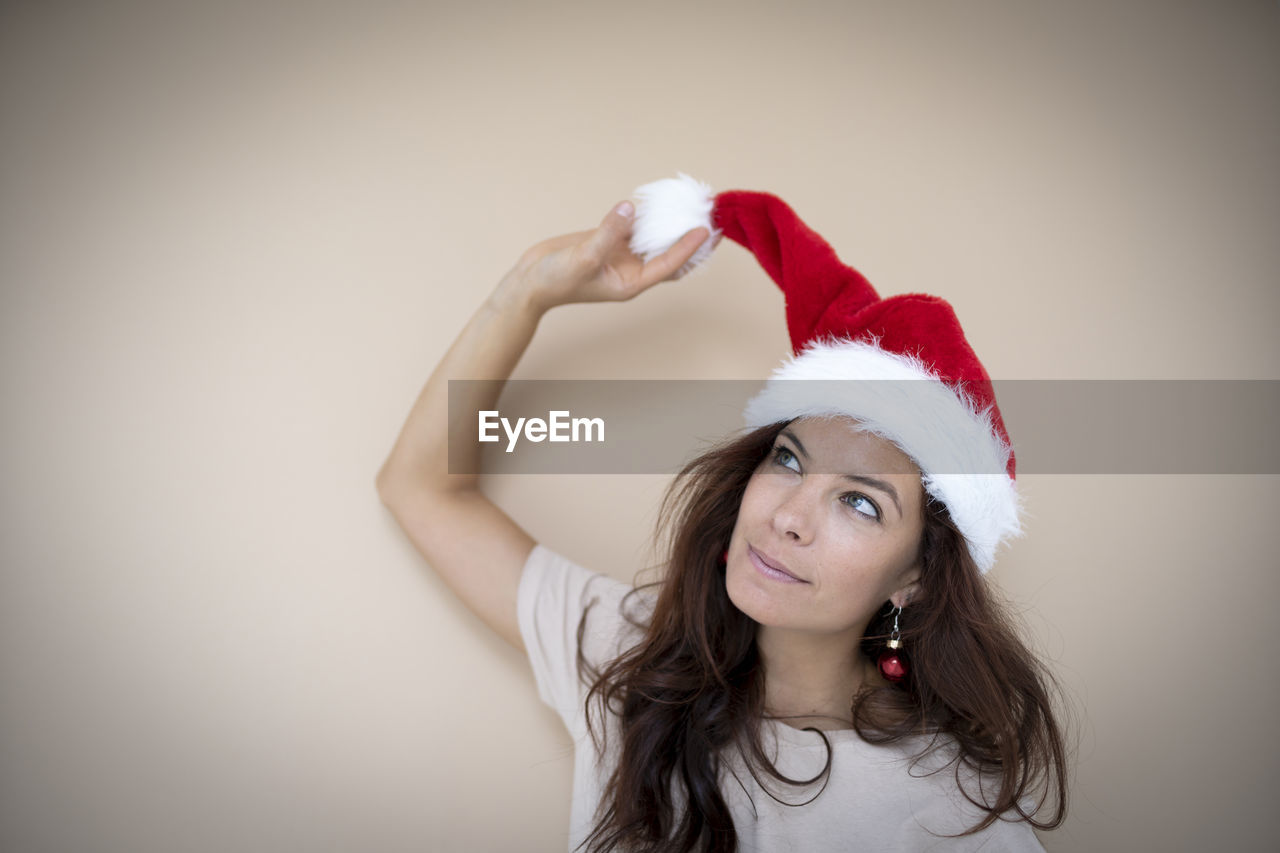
668 209
962 458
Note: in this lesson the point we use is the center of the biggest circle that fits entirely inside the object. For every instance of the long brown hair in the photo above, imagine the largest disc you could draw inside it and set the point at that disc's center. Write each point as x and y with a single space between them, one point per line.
694 685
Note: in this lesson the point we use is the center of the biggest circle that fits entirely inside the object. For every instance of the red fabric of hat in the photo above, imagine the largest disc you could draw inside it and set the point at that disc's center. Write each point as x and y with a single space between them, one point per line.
825 298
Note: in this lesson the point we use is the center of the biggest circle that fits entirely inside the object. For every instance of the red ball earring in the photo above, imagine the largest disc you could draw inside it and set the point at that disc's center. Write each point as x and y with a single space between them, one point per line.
892 662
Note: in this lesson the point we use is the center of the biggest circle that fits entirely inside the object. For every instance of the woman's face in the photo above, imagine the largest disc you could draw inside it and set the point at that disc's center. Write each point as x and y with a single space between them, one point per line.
829 529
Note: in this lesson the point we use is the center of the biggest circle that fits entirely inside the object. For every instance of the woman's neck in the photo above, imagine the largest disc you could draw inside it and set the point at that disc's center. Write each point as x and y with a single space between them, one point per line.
810 679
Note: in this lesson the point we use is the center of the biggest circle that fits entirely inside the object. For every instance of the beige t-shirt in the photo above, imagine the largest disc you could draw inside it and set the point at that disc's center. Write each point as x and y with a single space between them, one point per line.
873 800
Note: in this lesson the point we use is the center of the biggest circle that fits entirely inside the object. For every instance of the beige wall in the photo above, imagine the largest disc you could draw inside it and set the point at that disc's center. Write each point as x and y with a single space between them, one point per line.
234 240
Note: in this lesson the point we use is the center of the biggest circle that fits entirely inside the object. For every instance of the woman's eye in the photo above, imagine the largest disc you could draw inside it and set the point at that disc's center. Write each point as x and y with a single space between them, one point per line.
863 504
786 458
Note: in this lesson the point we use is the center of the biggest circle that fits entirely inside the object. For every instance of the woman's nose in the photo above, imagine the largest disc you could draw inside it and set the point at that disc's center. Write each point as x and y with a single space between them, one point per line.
793 519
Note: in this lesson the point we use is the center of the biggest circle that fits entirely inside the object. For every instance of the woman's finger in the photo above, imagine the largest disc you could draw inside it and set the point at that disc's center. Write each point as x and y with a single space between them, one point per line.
614 230
669 262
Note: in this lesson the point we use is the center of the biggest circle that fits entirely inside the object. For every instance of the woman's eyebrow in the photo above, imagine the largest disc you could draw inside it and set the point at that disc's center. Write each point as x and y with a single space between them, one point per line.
791 435
881 485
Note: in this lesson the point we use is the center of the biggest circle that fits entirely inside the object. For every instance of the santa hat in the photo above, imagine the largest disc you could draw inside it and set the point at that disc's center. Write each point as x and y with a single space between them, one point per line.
934 399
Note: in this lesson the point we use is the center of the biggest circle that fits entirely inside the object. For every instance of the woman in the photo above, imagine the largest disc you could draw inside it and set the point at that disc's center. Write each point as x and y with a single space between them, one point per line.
821 666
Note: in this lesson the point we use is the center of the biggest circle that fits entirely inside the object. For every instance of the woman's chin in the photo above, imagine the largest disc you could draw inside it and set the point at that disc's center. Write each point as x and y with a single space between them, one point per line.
756 603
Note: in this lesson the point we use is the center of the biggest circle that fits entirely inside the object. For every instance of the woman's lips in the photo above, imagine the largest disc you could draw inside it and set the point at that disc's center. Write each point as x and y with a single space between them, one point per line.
770 568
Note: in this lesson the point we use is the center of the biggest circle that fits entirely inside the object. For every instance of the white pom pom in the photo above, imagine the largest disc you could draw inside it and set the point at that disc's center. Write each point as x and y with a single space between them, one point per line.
668 209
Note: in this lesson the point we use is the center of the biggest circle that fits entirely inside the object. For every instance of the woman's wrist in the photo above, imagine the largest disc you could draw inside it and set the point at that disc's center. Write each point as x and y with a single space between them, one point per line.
513 295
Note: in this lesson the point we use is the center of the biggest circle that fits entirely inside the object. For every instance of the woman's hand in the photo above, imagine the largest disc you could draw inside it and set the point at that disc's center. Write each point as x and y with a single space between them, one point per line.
595 266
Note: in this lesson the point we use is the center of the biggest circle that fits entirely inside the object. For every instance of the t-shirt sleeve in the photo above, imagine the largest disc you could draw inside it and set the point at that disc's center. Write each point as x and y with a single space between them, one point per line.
554 595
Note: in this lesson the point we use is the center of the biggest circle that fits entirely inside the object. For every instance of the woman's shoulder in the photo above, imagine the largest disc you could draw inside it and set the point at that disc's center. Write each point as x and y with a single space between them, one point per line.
569 614
555 583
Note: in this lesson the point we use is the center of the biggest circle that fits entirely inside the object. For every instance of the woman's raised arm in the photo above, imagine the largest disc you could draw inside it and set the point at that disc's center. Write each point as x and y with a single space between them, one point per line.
475 546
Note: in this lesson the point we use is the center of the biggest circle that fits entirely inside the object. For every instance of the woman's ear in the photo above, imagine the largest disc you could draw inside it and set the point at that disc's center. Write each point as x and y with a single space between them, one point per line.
903 595
908 584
